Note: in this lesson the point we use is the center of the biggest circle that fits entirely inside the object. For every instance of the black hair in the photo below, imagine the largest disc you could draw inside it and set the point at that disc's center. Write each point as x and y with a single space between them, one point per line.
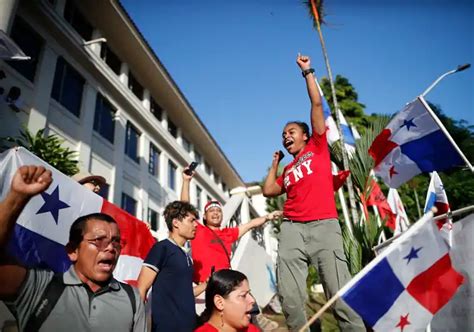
222 283
178 210
304 126
78 227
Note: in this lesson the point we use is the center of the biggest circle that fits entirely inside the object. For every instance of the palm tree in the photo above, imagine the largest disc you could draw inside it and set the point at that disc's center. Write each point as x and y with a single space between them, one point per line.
315 10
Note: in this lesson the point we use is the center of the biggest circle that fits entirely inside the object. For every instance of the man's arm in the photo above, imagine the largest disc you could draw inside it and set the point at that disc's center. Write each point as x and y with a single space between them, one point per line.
185 187
145 280
258 222
27 182
198 289
317 116
270 186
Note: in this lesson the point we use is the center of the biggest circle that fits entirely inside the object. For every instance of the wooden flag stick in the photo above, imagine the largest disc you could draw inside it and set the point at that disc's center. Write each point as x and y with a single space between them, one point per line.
320 312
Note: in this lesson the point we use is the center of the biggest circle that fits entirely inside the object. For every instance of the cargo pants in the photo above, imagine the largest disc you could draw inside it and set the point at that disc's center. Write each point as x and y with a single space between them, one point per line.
318 243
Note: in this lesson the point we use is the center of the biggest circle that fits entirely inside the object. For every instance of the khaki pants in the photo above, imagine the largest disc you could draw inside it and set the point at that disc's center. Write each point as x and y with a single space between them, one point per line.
318 243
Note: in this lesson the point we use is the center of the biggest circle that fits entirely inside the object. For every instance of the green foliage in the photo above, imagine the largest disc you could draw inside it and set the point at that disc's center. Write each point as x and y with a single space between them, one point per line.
347 99
47 148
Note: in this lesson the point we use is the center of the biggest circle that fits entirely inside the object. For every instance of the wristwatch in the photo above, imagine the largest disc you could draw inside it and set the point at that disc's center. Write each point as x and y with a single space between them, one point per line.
307 71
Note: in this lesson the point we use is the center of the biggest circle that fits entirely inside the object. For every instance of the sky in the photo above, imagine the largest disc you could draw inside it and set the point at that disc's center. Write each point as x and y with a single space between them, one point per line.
235 61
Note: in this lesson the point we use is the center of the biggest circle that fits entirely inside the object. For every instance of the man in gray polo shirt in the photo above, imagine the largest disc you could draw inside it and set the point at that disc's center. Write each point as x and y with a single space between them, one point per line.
90 298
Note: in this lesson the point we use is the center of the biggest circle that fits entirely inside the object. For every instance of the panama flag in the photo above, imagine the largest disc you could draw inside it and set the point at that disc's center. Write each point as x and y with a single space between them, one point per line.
412 143
396 204
42 229
437 197
408 283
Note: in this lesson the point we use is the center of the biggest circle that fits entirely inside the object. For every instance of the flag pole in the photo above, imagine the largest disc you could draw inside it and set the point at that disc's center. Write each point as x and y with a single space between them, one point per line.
320 312
445 131
441 216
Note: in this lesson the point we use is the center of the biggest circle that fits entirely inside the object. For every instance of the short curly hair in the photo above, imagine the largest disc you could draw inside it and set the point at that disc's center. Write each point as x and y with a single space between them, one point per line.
178 210
304 126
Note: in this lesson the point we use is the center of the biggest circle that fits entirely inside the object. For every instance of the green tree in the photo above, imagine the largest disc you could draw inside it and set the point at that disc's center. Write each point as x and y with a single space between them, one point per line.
47 148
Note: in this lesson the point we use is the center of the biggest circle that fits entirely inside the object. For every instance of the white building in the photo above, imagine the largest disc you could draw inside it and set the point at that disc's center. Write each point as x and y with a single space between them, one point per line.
94 81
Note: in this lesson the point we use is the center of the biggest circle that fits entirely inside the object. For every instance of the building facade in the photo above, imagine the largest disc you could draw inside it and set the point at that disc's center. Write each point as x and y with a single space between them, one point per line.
94 81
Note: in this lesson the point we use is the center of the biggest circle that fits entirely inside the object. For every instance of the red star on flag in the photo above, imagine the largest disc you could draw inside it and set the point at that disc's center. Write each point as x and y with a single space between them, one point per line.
403 322
392 171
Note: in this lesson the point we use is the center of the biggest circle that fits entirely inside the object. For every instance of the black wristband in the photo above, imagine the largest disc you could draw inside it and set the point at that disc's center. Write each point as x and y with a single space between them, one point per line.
307 71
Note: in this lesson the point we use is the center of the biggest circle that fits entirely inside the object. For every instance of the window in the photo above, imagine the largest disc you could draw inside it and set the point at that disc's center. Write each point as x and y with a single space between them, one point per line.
67 87
74 17
156 109
224 187
136 87
207 168
197 157
187 145
153 219
198 197
31 44
131 142
172 129
104 191
110 58
216 178
154 163
104 122
172 175
129 204
209 198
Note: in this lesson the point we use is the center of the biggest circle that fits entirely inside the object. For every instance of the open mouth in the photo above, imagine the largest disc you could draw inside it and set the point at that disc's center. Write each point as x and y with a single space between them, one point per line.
106 265
288 143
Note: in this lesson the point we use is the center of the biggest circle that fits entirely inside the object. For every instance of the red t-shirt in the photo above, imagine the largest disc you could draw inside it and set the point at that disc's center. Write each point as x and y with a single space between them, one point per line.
207 251
307 181
209 328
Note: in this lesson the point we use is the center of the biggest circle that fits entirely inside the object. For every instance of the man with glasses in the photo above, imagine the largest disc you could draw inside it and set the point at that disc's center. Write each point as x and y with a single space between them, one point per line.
84 298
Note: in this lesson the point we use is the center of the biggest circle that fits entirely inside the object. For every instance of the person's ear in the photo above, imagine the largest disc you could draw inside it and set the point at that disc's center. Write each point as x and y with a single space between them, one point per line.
72 251
305 136
176 222
219 302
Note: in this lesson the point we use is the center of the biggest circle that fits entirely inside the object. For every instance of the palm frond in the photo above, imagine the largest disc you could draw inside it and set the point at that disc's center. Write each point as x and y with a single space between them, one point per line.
320 11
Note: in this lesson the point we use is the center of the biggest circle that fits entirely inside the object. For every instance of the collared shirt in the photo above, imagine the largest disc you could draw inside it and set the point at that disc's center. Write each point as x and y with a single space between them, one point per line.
78 308
173 306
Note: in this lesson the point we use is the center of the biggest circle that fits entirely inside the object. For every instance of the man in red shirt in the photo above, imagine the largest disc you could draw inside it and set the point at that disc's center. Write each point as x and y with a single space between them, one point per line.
310 232
211 248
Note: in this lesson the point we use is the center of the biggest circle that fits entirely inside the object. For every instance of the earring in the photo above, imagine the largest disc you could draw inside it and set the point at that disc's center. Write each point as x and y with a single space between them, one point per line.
222 319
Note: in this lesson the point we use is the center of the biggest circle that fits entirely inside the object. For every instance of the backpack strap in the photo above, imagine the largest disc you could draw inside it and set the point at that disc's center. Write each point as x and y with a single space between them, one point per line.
50 297
131 295
219 240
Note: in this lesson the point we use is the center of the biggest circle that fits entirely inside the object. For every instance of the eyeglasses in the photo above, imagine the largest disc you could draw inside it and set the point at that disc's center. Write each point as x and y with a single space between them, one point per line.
102 242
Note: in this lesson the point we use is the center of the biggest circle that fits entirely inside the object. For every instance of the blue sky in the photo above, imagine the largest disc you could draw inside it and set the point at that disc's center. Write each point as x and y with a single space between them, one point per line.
235 61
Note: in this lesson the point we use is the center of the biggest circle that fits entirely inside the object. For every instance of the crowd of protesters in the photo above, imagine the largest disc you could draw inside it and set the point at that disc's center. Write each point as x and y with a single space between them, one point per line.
88 298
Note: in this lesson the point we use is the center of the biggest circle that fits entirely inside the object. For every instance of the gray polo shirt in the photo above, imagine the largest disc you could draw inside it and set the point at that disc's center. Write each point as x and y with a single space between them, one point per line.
78 308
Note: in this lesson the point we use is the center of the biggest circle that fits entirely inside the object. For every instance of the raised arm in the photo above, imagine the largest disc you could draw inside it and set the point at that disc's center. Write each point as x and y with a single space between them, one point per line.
317 116
270 186
185 197
27 182
258 222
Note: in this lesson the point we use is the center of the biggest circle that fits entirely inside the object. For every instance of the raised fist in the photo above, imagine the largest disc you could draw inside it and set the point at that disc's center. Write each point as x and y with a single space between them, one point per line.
31 180
303 61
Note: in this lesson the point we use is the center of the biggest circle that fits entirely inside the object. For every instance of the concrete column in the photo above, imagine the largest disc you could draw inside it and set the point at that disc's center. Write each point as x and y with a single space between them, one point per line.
123 77
7 14
96 47
42 90
179 136
146 99
164 120
87 123
119 155
163 170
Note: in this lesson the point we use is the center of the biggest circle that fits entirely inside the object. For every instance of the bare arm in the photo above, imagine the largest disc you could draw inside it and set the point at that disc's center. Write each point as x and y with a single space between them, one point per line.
317 116
257 222
27 182
185 187
198 289
270 186
145 280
